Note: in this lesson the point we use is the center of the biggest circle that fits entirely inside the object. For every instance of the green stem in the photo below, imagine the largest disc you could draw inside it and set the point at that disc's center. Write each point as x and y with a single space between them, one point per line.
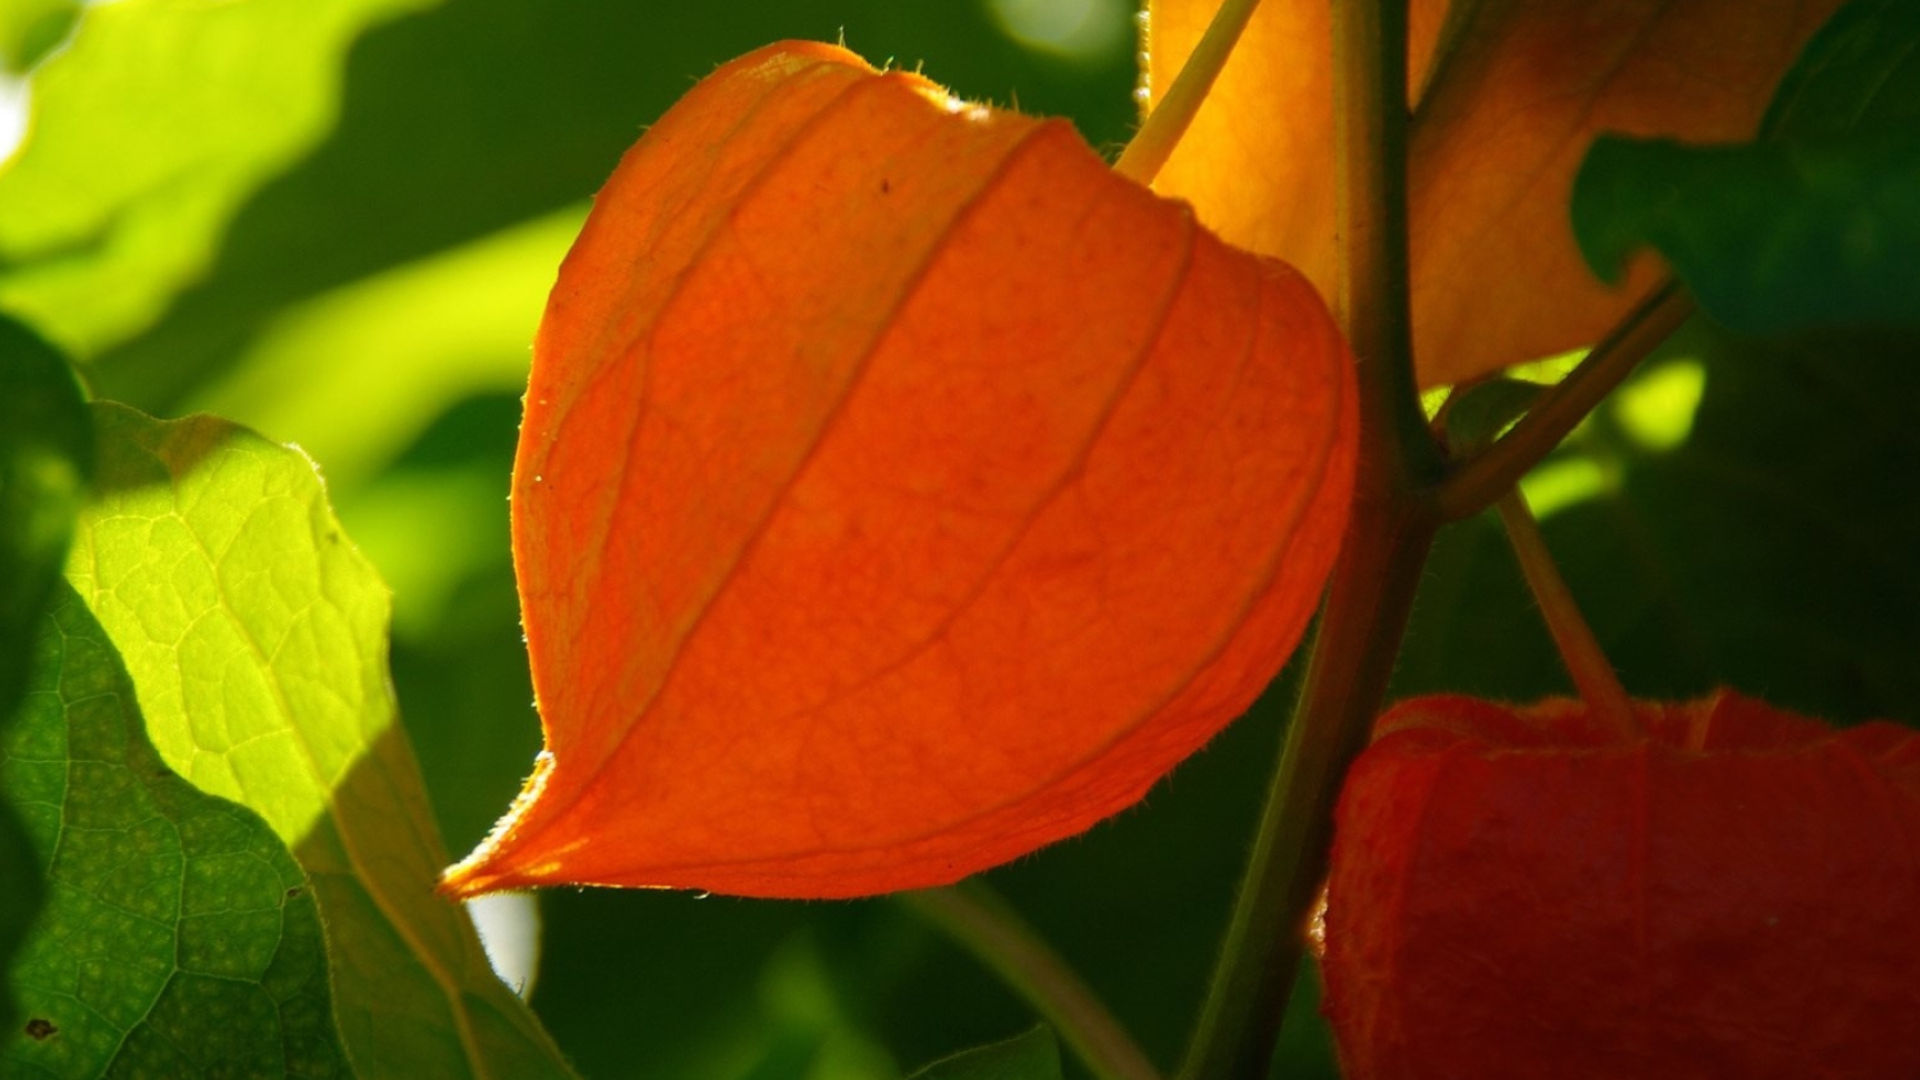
1366 615
1592 675
975 916
1484 478
1160 133
1372 298
1374 581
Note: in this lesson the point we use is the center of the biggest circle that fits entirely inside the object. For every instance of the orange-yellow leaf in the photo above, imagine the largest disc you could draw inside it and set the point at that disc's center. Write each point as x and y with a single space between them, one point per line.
899 490
1510 93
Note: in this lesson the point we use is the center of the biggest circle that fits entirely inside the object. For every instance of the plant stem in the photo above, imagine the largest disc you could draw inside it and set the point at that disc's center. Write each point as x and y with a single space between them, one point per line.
976 916
1353 655
1484 478
1378 571
1161 132
1592 675
1373 300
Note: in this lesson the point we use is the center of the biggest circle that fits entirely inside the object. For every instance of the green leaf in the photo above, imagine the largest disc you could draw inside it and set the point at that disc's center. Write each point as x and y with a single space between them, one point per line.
146 132
46 451
22 893
1032 1056
451 132
256 639
1818 224
178 936
1770 236
29 29
1861 72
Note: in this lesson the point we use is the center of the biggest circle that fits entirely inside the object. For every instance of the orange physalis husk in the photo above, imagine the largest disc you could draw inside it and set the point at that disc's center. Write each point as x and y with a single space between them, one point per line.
1521 893
900 490
1508 96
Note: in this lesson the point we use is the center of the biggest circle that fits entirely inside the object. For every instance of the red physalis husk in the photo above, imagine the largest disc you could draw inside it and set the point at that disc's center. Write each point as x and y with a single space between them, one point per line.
1521 893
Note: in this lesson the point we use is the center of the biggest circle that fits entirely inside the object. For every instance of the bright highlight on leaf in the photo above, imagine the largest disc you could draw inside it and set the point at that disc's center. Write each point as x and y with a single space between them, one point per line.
254 638
148 130
1508 95
900 490
1519 892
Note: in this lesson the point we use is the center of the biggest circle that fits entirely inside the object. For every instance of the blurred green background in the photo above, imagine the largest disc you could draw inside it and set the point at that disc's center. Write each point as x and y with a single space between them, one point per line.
336 221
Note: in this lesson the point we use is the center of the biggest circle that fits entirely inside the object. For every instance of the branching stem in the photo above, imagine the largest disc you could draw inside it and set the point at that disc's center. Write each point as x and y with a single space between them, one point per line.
1483 479
1371 594
1399 503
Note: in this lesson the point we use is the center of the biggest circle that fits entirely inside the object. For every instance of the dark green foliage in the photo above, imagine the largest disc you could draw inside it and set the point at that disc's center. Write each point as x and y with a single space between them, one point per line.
1817 223
1033 1056
178 938
46 452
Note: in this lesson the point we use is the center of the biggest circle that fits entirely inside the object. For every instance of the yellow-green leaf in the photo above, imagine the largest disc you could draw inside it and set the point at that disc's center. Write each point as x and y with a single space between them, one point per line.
145 134
178 936
255 635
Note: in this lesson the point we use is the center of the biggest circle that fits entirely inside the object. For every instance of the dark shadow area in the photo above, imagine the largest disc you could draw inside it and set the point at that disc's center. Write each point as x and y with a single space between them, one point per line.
1776 550
46 459
416 992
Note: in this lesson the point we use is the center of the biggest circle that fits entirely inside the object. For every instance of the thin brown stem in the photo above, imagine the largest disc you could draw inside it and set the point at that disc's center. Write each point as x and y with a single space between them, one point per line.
976 917
1480 481
1592 675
